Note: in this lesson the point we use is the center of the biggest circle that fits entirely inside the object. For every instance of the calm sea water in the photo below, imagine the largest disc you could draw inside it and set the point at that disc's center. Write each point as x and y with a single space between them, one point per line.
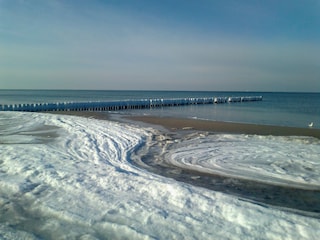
284 109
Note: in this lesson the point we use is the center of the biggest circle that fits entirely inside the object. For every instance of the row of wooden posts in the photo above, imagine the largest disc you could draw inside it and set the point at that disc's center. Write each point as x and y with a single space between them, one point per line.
122 105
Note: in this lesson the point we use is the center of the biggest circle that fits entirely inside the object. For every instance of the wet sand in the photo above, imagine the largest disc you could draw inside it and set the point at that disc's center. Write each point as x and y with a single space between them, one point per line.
226 127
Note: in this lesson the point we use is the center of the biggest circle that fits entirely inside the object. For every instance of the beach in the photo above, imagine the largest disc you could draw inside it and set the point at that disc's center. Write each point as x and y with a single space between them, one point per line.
157 120
174 124
226 127
90 175
275 194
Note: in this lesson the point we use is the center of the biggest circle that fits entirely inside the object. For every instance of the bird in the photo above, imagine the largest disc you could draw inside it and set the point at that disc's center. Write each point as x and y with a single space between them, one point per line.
310 125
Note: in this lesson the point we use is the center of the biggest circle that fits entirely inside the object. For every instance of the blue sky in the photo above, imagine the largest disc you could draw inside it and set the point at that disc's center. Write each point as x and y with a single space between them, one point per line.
160 45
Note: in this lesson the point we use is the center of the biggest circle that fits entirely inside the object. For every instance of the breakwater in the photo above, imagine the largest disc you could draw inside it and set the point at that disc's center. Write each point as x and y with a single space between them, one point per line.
122 105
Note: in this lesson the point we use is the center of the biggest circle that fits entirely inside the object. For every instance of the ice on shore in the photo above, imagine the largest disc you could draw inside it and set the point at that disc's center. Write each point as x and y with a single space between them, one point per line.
290 161
81 184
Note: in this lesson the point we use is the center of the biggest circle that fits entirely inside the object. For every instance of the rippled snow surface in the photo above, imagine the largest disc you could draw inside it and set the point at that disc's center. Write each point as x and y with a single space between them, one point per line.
66 177
290 161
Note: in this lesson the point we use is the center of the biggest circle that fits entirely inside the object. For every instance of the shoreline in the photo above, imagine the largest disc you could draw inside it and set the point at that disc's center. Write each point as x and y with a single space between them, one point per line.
298 199
225 127
178 124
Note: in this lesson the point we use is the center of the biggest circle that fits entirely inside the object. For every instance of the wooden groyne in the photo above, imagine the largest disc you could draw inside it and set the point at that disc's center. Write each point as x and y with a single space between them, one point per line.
122 105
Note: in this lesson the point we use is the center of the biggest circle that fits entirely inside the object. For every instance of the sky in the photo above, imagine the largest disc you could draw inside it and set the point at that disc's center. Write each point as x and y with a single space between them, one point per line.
209 45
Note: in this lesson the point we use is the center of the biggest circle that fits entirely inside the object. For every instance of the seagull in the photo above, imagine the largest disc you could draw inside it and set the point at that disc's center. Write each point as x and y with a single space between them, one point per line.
310 125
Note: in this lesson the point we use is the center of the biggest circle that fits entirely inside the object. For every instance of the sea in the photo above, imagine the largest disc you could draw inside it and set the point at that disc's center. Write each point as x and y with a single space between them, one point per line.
74 177
277 108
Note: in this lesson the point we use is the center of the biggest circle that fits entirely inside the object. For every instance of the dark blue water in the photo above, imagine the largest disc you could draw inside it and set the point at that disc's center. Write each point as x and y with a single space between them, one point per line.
284 109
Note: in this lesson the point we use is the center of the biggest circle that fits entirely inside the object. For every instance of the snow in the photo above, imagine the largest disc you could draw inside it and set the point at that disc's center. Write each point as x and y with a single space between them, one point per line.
67 177
290 160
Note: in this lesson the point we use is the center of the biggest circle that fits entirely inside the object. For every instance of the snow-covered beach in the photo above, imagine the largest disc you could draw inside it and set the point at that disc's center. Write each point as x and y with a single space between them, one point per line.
159 120
70 177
